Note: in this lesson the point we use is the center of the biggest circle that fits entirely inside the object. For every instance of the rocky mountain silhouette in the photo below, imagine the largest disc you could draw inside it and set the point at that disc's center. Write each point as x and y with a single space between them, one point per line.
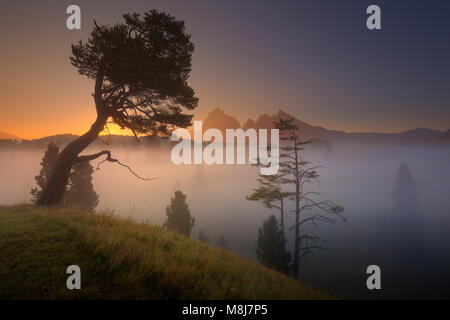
309 132
218 119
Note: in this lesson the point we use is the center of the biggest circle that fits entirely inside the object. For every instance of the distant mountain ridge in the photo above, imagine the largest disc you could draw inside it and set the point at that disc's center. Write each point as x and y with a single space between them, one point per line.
310 132
218 119
108 140
8 136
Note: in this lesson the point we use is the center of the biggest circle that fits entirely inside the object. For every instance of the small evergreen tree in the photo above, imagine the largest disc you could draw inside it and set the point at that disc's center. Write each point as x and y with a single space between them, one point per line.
270 246
81 191
406 222
270 193
405 196
222 242
48 163
203 237
178 215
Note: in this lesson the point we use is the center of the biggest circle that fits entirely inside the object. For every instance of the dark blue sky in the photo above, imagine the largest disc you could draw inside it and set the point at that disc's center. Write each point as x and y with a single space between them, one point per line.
315 59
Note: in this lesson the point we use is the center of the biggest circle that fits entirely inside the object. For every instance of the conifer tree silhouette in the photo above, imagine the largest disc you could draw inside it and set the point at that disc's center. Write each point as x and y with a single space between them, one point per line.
178 215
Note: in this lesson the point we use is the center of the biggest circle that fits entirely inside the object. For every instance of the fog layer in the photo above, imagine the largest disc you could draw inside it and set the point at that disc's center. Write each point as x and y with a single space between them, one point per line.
360 178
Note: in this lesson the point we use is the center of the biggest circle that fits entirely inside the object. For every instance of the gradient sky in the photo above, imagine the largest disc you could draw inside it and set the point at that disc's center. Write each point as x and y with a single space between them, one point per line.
314 59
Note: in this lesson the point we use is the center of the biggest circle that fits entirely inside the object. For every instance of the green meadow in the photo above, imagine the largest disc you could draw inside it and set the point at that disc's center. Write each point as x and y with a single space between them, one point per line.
123 259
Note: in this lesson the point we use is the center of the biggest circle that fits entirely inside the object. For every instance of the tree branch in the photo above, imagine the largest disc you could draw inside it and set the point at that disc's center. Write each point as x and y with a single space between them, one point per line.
93 156
110 159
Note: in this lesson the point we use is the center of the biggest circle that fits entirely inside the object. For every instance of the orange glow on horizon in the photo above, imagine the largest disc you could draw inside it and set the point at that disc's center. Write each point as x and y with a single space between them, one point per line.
114 129
30 130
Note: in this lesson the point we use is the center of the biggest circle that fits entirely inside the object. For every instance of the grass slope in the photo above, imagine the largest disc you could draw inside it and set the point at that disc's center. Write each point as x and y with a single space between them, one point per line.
122 259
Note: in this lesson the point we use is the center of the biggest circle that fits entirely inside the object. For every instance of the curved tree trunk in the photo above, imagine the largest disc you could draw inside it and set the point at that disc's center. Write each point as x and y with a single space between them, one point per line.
53 192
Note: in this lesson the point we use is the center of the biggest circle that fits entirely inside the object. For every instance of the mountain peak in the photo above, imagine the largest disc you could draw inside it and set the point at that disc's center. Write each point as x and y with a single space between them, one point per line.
216 112
250 123
218 119
283 115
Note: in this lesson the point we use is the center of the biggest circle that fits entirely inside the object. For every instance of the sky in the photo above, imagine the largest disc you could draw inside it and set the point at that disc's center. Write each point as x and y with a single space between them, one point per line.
314 59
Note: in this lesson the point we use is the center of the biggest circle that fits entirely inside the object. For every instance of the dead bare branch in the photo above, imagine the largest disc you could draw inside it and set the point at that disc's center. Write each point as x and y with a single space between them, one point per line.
109 159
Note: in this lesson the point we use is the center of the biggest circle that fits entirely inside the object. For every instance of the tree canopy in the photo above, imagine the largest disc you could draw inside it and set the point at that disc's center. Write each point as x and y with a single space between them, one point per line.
141 67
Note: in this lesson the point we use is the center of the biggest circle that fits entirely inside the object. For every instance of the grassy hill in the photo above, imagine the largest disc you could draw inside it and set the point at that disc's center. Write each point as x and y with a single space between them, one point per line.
122 259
